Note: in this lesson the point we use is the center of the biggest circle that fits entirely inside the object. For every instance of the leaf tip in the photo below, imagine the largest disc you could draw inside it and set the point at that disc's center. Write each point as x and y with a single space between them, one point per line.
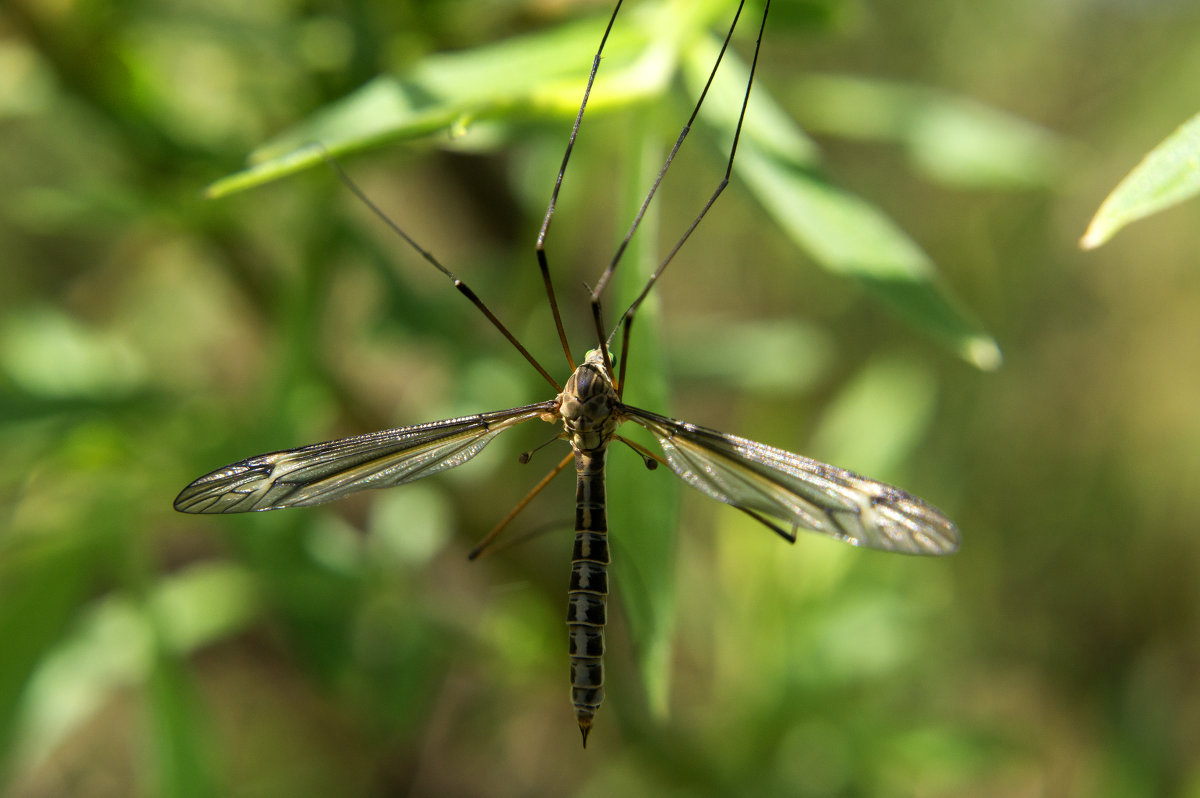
1098 232
216 189
984 353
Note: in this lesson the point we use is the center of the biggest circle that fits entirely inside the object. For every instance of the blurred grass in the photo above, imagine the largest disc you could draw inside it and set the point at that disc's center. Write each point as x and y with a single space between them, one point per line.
148 335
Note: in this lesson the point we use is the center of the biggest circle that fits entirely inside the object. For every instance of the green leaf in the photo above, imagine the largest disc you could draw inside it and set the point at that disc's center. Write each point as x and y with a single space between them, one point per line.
539 74
40 588
1169 174
715 349
443 94
50 354
878 418
841 232
644 505
954 140
111 647
180 739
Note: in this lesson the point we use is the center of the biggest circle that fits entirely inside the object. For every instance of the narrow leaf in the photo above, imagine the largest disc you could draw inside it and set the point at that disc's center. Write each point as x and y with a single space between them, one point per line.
644 524
449 94
841 232
1169 174
181 742
541 73
952 139
110 647
39 591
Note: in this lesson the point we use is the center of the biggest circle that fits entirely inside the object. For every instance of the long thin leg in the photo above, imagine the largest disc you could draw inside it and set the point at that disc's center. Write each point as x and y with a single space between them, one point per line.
602 283
541 239
462 287
627 319
637 219
651 459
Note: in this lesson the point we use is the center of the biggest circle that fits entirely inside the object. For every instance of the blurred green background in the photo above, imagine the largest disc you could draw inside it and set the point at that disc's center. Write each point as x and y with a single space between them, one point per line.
149 335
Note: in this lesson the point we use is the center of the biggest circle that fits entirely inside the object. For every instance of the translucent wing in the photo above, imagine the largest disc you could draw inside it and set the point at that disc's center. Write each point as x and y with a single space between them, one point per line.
326 471
800 491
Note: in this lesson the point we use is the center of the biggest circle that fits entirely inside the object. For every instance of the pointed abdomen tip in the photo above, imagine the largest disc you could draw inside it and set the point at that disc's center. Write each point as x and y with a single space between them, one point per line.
585 727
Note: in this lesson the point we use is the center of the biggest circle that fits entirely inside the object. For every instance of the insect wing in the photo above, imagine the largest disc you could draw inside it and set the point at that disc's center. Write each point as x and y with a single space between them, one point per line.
326 471
798 490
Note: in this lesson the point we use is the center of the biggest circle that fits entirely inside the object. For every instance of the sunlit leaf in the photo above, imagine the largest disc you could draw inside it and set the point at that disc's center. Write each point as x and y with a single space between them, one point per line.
541 73
844 234
1169 174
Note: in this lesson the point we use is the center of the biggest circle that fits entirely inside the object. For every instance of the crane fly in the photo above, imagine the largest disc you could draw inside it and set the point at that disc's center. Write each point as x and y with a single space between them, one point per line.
783 491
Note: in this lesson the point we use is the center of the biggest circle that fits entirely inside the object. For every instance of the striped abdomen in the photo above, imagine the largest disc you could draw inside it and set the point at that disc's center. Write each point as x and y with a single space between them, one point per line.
588 593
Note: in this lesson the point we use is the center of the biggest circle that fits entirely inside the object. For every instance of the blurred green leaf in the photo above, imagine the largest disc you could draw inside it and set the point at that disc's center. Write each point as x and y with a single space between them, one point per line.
535 75
40 589
183 763
952 139
841 672
644 505
861 433
843 233
1169 174
112 646
446 92
540 74
50 354
789 355
309 581
949 757
408 527
26 86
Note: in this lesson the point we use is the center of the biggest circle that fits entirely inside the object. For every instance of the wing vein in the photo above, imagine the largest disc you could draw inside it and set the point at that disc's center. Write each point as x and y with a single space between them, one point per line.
798 490
322 472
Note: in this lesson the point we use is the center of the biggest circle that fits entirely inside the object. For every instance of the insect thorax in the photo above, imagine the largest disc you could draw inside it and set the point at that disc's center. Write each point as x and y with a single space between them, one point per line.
588 404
